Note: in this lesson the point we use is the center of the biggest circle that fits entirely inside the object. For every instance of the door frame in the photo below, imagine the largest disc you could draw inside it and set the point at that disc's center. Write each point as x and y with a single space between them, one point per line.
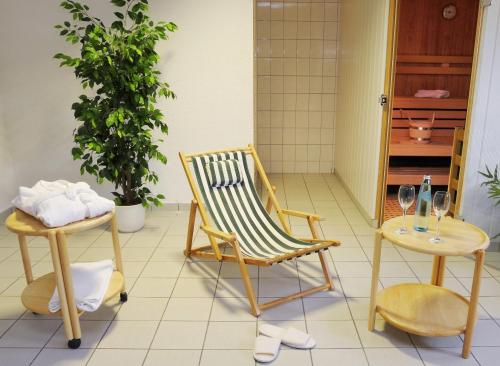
390 74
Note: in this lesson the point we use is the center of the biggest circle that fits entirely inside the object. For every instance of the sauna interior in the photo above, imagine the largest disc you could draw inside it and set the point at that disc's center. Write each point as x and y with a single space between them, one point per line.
435 46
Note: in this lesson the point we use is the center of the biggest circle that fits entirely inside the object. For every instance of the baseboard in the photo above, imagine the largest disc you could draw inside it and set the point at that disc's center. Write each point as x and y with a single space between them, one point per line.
366 216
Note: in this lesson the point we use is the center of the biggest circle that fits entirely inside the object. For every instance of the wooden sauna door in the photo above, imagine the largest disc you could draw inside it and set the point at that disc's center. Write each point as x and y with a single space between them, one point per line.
429 52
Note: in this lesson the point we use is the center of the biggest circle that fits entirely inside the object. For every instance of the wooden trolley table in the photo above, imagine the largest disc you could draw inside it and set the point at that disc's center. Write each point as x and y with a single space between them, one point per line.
430 309
37 294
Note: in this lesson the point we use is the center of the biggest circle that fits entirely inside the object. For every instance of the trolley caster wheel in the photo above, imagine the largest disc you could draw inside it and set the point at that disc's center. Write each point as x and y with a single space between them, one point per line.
123 297
74 343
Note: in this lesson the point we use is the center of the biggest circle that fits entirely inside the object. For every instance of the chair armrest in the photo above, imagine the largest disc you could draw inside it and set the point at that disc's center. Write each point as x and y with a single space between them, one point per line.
318 241
219 234
304 215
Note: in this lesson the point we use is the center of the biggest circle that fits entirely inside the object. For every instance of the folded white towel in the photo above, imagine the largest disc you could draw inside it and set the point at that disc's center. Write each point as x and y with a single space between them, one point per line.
90 282
60 202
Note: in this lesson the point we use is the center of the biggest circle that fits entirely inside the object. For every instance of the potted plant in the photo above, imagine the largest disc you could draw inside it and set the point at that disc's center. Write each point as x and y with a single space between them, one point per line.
118 116
493 184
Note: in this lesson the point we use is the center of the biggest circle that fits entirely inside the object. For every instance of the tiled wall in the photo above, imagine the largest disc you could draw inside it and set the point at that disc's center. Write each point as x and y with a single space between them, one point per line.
296 50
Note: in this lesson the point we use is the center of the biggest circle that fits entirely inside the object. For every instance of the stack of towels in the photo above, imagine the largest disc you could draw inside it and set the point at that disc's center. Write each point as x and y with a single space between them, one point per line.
90 282
60 202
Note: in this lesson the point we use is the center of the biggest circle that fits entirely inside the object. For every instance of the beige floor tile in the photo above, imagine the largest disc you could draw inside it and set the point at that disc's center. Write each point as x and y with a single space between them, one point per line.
231 309
179 335
194 287
292 357
63 357
326 309
391 281
326 357
232 270
11 307
489 286
486 333
129 334
313 268
5 282
122 357
97 254
356 287
436 342
234 287
16 288
289 311
134 268
11 269
277 287
153 287
142 308
92 332
168 254
106 311
491 305
395 269
285 269
445 357
29 333
487 356
387 255
17 357
393 357
162 269
137 254
354 269
227 358
384 335
231 335
309 282
334 334
346 241
173 357
4 325
7 252
188 309
424 269
348 254
464 269
200 270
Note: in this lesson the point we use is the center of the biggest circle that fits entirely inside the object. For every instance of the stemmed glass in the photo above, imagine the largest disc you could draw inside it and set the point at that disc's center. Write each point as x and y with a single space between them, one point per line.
406 196
441 205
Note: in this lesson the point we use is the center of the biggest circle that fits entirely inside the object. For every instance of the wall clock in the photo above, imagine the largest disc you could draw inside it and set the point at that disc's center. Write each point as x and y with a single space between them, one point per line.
449 12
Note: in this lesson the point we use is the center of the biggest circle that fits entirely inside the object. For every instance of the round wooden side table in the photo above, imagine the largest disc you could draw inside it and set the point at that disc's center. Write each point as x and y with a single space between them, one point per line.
38 292
430 309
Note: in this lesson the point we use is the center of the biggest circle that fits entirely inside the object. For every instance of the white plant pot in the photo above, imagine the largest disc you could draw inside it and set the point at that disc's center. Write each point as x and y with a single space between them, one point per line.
130 218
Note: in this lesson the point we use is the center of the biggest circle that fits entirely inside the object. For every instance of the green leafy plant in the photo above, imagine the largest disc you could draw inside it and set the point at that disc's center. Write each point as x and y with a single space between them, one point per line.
493 183
117 64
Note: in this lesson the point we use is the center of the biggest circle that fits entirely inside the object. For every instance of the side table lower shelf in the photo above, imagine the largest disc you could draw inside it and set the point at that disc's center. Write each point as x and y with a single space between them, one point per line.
423 309
37 294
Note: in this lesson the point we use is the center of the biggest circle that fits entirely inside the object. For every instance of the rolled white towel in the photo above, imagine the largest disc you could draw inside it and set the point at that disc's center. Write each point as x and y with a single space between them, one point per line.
90 282
60 202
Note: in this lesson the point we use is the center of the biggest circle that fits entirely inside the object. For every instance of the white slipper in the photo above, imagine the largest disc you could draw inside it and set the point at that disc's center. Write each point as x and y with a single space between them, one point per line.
266 349
291 336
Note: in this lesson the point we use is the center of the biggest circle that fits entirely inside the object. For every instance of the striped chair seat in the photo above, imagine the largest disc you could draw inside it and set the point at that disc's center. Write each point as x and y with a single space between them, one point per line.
237 207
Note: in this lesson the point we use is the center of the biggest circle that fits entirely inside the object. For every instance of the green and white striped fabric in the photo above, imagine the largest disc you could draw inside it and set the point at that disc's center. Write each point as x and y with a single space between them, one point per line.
223 173
237 208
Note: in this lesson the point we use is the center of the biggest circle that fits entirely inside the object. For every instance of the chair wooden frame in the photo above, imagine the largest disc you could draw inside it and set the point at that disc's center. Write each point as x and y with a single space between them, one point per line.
213 250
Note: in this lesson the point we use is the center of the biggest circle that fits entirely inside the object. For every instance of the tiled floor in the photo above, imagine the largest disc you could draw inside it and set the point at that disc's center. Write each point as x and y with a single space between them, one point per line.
192 312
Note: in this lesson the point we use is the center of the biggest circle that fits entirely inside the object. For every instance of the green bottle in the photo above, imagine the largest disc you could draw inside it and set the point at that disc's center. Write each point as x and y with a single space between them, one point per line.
424 204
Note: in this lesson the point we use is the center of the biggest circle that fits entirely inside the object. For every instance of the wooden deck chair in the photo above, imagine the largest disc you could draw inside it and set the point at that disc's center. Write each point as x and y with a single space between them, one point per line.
232 212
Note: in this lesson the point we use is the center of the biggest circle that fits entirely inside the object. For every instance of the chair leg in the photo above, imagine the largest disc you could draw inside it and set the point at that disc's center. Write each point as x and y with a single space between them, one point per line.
326 271
254 306
192 219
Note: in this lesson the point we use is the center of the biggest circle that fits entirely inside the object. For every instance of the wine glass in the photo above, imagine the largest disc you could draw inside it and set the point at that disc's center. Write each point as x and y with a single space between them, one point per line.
406 196
440 204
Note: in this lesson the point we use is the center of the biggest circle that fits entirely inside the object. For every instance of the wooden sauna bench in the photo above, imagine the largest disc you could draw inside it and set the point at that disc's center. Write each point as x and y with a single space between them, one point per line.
449 113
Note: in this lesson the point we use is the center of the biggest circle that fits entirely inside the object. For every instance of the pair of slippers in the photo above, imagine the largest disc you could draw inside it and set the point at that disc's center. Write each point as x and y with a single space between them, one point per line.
267 344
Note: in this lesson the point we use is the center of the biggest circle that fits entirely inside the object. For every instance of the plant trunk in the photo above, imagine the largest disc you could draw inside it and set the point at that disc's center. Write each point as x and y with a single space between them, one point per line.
127 188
